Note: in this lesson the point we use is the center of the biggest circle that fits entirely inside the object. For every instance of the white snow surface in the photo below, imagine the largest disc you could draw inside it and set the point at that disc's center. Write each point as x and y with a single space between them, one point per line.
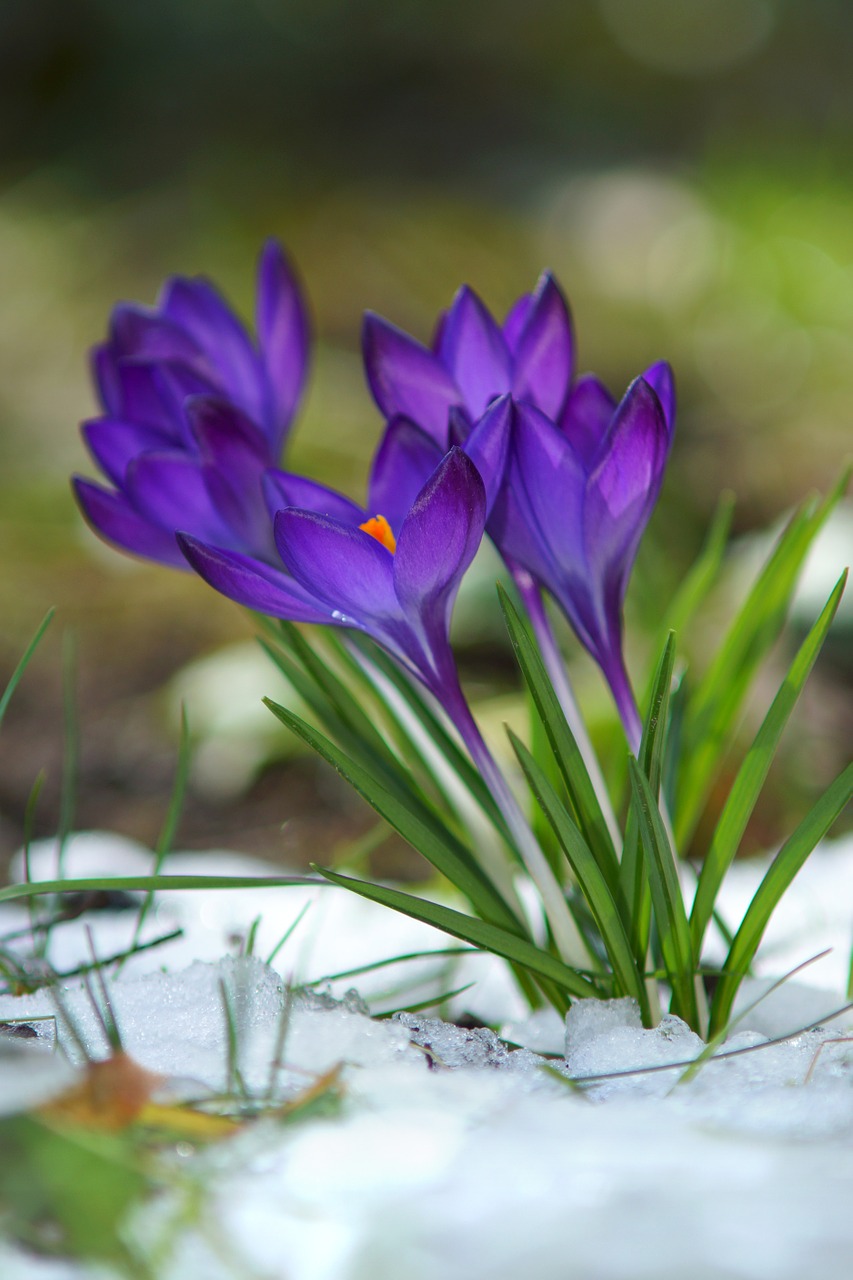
453 1156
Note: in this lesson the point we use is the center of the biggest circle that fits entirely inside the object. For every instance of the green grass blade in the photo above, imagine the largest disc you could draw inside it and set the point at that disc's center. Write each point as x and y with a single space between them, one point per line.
480 933
371 751
719 1034
584 800
366 745
406 745
37 888
288 933
431 1002
15 678
779 875
667 901
414 822
388 961
717 701
448 748
634 882
343 717
705 570
173 814
590 878
348 707
753 771
70 748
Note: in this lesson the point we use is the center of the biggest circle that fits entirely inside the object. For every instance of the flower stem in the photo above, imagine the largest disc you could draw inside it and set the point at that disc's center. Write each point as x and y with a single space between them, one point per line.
532 599
616 675
563 927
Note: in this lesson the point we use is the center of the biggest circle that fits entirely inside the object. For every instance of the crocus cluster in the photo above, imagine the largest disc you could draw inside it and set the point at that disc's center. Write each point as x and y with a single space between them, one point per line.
488 430
194 413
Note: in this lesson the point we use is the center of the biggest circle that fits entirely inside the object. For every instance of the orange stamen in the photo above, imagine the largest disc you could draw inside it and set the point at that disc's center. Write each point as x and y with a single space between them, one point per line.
379 528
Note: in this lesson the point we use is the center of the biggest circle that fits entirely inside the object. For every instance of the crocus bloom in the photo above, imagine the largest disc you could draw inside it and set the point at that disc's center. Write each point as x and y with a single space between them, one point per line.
576 500
194 413
395 578
473 359
397 583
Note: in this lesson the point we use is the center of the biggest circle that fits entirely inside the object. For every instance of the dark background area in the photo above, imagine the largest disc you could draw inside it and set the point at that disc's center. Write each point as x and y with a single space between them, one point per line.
683 165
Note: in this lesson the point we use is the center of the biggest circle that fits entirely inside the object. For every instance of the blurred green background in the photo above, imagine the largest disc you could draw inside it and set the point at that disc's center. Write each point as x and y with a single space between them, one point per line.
682 165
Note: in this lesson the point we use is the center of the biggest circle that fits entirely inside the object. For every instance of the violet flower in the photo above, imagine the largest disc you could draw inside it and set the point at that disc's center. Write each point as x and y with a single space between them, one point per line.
395 583
473 359
576 500
194 413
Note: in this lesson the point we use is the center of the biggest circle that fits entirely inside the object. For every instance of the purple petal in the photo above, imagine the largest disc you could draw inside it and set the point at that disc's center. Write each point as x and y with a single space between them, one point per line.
286 489
169 490
587 416
624 487
536 521
143 334
251 582
549 483
112 517
404 461
197 307
438 541
105 374
487 446
474 351
516 319
345 567
283 337
114 444
176 383
225 435
544 350
662 381
405 378
235 457
148 398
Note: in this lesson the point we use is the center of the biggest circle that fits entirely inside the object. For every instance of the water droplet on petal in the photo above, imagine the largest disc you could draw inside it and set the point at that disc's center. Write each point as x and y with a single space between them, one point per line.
339 617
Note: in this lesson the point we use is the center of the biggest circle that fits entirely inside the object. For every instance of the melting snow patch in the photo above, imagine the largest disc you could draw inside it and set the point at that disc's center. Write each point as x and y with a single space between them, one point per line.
455 1156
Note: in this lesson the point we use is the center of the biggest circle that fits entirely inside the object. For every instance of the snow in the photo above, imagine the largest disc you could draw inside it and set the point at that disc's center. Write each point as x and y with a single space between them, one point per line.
452 1155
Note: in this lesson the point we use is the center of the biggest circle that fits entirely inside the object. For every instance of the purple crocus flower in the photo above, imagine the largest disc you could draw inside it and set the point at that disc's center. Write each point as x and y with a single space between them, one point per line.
395 583
194 413
575 503
473 359
395 579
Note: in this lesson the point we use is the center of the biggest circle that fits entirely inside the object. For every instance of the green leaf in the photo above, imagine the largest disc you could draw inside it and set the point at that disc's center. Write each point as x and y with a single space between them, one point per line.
431 1002
753 772
369 747
668 903
388 961
38 888
590 878
581 792
343 717
635 889
705 570
717 701
82 1185
777 878
415 823
448 748
15 678
480 933
340 697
